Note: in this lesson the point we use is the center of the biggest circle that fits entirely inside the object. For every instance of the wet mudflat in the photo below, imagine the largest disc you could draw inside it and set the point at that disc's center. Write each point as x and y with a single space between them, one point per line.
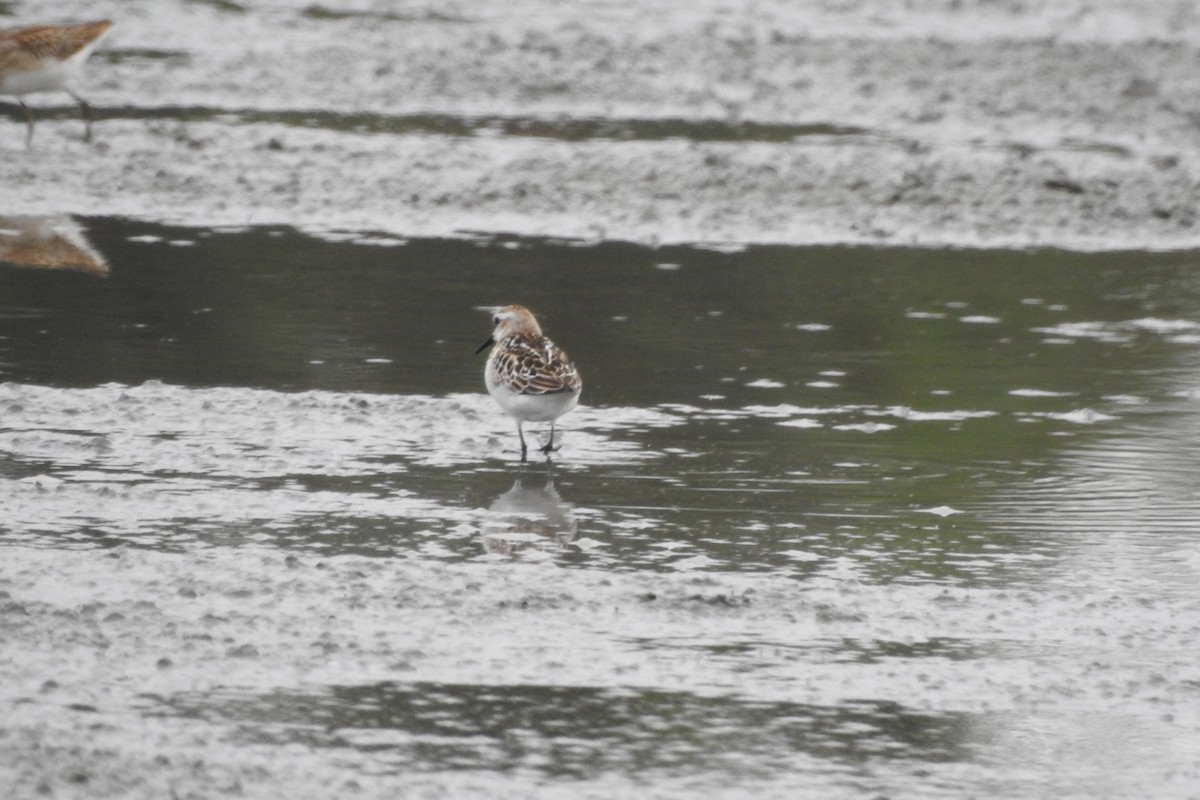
884 481
903 522
961 123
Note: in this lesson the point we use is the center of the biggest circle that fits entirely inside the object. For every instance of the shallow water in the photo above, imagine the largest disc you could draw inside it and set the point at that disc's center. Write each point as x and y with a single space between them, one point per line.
848 520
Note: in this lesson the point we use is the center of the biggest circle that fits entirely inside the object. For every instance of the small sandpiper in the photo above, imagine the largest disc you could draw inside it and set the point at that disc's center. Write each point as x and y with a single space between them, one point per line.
529 376
47 58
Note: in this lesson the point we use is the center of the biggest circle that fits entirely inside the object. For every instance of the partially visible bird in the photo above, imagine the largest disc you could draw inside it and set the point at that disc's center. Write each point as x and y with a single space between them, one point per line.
47 58
529 376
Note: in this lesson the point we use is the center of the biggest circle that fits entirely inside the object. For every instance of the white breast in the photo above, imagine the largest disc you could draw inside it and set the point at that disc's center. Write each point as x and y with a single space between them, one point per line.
49 76
530 407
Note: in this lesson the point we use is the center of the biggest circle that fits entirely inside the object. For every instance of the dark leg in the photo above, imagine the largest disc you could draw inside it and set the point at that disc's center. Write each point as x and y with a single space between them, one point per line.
86 110
549 448
28 124
524 449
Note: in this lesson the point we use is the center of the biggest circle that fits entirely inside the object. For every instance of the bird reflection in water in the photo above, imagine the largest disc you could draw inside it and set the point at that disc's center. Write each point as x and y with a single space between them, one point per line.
48 243
529 515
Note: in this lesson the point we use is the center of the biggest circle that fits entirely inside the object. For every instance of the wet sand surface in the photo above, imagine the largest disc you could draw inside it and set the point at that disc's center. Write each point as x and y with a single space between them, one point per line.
945 123
916 519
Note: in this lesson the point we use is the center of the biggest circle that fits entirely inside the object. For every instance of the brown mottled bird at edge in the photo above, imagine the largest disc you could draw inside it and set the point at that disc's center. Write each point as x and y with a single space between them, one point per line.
47 58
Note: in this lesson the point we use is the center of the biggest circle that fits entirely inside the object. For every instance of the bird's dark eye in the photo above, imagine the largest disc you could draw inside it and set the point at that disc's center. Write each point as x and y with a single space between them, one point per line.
496 320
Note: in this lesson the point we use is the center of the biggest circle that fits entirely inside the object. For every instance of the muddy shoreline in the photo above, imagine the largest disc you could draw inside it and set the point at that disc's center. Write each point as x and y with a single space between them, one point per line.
184 612
955 124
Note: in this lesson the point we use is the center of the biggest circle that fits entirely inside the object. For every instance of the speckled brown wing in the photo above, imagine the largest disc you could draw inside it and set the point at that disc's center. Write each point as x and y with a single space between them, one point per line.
22 48
535 365
14 57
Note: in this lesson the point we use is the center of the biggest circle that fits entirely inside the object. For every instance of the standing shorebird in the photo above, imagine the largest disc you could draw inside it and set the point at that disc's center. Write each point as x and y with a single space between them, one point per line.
46 58
529 376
